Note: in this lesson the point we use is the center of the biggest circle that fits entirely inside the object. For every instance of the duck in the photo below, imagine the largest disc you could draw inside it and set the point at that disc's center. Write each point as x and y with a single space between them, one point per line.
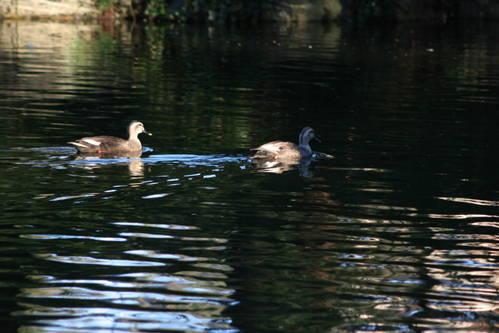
110 144
287 150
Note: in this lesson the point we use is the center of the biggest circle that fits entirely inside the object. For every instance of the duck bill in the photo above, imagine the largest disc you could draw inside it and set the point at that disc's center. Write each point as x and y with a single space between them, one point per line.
316 139
145 132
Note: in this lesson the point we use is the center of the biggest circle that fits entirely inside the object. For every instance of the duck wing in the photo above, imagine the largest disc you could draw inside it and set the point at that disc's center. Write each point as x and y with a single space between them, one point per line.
97 143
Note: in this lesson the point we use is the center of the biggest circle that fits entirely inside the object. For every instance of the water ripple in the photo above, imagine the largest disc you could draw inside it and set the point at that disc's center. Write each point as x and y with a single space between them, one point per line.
86 260
93 319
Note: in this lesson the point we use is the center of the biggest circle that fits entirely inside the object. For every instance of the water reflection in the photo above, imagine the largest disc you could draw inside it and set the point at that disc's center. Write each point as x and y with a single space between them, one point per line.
397 233
106 319
283 165
135 164
138 287
280 165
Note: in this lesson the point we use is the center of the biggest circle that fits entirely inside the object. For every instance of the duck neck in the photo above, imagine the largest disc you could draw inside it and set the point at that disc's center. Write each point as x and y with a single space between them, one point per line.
304 141
133 135
305 149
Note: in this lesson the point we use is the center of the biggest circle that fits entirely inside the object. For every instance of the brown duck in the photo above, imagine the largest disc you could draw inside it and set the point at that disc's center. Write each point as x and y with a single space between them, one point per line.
287 150
111 144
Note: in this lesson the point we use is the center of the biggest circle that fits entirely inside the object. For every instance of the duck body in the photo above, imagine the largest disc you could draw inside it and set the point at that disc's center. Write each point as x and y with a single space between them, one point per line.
287 150
111 144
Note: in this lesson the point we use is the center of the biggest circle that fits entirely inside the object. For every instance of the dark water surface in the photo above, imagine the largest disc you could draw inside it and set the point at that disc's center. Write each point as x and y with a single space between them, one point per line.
397 232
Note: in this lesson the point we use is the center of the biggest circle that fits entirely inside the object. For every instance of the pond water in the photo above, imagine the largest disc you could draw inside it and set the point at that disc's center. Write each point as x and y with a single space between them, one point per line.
396 232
